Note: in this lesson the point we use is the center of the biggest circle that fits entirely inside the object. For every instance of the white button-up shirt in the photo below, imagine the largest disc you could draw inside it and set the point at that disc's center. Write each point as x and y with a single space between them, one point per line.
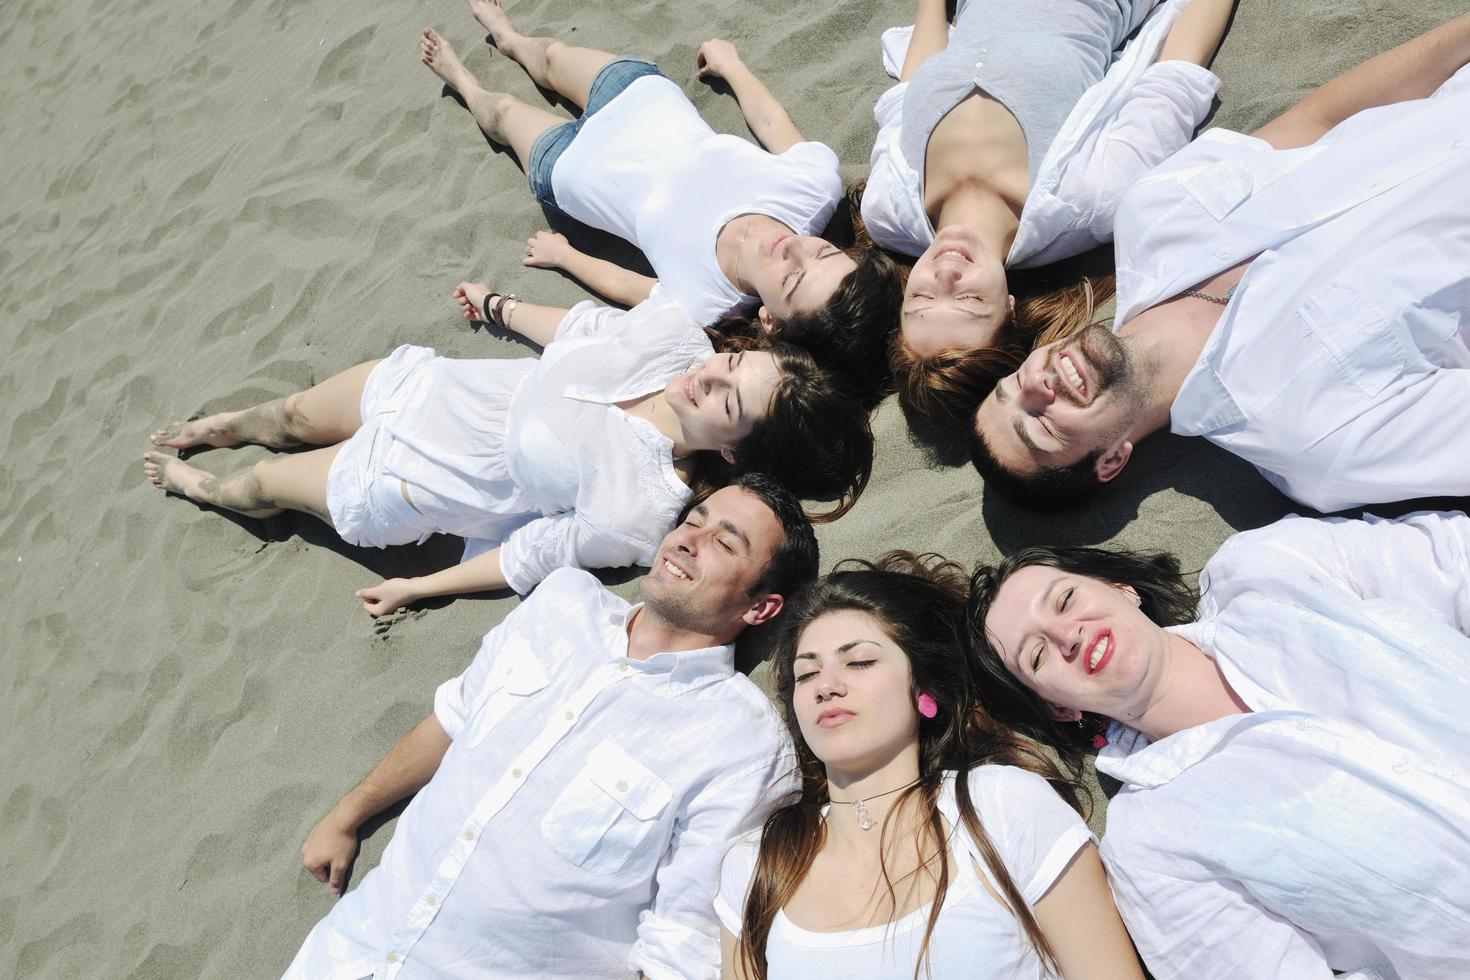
1125 124
1329 829
1340 368
576 825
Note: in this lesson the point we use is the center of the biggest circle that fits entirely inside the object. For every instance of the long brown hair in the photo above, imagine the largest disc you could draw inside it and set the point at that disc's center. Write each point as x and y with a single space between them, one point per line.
919 602
816 439
946 387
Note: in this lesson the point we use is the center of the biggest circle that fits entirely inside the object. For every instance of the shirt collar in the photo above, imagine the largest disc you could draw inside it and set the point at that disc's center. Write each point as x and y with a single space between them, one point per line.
676 672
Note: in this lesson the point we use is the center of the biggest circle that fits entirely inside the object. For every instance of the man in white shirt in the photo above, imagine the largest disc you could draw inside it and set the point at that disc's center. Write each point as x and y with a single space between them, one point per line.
1298 297
578 785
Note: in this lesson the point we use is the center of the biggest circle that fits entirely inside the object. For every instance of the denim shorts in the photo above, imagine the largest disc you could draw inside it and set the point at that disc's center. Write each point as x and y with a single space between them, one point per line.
615 76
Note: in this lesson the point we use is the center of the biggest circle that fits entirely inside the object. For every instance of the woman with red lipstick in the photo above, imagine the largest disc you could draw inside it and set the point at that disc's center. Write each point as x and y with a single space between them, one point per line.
728 226
926 841
1006 144
1290 744
583 457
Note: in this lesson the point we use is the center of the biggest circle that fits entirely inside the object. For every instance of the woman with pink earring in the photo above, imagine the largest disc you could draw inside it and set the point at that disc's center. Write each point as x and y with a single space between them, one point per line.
926 841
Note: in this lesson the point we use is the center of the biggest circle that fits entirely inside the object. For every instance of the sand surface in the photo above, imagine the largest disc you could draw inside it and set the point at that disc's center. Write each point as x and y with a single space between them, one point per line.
211 204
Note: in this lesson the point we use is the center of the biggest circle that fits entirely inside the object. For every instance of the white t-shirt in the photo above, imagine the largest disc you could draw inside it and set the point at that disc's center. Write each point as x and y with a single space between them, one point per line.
1036 834
647 168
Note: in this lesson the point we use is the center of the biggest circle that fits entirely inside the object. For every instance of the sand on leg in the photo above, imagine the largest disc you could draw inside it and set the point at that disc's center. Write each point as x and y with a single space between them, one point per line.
504 118
324 414
296 482
553 64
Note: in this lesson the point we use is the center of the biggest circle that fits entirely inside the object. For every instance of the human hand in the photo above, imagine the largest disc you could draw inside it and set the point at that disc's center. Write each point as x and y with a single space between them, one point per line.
329 851
716 58
471 299
546 250
386 596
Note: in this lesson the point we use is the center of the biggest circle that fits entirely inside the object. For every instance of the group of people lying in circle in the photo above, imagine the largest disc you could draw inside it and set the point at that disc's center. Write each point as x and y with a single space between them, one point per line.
601 793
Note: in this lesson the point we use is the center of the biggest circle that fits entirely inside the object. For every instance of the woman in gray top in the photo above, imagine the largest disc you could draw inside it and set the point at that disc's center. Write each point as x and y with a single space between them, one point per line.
1004 145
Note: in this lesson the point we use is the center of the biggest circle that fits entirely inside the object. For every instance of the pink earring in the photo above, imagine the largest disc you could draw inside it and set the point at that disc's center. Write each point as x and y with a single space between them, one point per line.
928 707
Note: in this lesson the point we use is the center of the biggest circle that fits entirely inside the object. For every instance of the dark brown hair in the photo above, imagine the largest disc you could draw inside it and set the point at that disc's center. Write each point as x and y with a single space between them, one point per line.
1164 597
815 440
919 602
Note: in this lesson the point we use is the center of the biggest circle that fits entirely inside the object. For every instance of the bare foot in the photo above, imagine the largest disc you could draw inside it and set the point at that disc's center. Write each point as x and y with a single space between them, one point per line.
439 55
209 431
173 475
491 16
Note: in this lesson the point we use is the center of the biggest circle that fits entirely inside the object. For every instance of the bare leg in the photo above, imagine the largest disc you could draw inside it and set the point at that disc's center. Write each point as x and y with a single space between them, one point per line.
553 64
296 482
320 416
504 118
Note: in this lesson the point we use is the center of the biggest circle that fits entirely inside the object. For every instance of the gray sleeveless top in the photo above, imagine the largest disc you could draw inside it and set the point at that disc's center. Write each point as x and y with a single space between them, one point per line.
1035 57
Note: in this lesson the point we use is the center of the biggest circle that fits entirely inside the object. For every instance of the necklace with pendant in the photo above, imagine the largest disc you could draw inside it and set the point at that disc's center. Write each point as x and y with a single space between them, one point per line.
860 810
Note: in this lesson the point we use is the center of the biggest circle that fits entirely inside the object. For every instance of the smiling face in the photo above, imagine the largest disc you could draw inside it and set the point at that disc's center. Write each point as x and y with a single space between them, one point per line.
1079 643
853 694
719 402
1067 400
705 573
956 296
796 274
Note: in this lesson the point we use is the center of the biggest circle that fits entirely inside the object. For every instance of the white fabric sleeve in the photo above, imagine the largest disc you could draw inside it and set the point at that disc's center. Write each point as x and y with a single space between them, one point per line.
567 540
1422 559
1158 119
1034 830
735 874
1170 917
456 699
678 936
811 186
588 319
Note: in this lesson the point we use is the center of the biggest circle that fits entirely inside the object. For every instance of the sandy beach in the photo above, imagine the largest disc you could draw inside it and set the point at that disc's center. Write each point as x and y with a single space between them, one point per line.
211 205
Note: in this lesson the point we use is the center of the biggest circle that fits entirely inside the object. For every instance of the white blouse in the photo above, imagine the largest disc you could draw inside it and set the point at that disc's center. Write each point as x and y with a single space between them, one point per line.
1036 834
647 168
1329 829
1341 367
569 831
1124 125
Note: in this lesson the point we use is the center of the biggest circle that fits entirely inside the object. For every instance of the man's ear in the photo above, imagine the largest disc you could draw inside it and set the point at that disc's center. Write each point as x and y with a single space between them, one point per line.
1111 463
728 455
764 609
764 318
1064 715
1011 309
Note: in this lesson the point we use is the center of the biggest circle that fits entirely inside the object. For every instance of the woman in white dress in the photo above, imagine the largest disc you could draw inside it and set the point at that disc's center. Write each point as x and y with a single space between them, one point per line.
583 457
1291 745
729 227
1006 144
926 841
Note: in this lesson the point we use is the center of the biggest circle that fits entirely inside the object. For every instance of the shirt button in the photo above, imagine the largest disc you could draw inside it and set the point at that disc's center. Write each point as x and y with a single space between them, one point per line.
392 957
469 835
515 774
622 786
569 716
431 901
623 668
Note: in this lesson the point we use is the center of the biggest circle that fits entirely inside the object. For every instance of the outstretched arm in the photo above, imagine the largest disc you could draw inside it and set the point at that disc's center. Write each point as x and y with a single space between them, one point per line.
536 323
1413 70
1082 925
548 250
332 845
764 114
481 573
931 36
1196 35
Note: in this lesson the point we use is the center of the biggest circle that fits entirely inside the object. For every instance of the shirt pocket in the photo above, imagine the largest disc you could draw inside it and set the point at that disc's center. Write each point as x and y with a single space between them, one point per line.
1220 188
607 814
1373 317
516 676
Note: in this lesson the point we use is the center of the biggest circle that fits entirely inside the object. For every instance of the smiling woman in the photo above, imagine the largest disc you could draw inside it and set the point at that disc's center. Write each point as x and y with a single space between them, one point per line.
584 457
927 841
